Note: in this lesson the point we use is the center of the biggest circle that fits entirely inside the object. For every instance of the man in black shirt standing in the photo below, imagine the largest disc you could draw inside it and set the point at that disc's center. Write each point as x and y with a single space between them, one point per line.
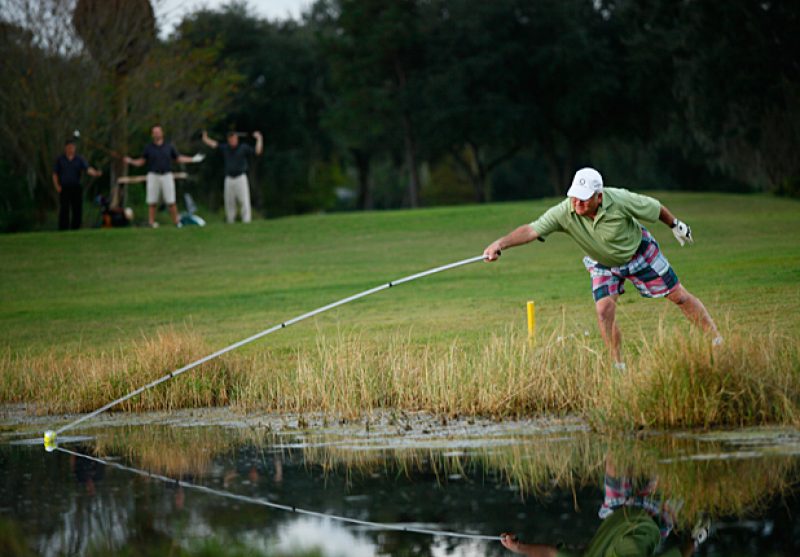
160 182
237 187
67 172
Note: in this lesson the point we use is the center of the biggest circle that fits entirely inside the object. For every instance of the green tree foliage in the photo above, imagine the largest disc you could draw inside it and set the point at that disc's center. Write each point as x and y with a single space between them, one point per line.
118 34
376 53
510 74
180 87
739 84
476 113
280 95
44 94
724 79
54 86
414 102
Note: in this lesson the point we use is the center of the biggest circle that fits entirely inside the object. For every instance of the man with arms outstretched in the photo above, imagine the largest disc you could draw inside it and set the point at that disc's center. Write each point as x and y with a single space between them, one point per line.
604 222
158 156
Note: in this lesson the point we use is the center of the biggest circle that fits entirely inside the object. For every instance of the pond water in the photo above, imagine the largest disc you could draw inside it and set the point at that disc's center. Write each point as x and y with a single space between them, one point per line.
189 484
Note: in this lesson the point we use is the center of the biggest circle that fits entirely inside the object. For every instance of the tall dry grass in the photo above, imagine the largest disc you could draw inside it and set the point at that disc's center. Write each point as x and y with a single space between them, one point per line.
349 375
678 380
61 383
674 380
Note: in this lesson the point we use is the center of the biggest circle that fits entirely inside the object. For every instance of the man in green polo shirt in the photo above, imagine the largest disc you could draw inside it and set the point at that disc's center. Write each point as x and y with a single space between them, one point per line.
628 532
605 223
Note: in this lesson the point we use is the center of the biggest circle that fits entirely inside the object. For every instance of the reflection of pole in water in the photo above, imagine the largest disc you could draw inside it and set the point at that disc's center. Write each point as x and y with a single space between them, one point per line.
290 508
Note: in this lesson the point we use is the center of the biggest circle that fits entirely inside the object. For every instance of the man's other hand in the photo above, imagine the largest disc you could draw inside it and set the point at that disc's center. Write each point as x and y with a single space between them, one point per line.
682 232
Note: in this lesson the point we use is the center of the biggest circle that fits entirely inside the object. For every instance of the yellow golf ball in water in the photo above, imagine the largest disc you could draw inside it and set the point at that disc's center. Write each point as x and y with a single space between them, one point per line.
49 440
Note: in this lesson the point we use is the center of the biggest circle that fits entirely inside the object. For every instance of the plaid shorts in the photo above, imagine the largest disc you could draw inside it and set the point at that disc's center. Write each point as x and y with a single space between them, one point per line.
629 492
648 270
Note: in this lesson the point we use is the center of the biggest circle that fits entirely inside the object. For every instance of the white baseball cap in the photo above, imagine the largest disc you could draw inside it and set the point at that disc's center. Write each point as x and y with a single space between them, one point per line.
585 184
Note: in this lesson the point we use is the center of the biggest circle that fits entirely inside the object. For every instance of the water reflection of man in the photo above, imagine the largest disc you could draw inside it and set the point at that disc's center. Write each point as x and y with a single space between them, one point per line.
635 523
87 472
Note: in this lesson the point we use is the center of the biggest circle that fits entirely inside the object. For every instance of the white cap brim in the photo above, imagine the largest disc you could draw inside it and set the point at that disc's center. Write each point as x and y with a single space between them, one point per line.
581 192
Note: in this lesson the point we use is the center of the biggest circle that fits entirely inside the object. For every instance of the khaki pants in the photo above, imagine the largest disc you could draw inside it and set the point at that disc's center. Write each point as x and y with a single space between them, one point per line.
237 190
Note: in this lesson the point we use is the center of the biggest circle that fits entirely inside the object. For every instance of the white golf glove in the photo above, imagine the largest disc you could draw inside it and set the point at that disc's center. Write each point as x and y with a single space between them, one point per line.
700 531
198 157
682 232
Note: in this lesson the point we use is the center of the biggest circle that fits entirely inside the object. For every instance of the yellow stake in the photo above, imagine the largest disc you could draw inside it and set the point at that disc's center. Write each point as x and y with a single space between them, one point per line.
531 320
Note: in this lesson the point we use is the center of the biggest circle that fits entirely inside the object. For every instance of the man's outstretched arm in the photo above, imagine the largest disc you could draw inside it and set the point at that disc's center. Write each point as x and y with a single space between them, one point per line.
517 237
511 543
135 162
666 216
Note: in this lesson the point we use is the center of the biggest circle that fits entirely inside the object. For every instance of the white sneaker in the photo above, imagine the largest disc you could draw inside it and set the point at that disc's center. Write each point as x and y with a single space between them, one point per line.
153 225
179 224
718 340
620 366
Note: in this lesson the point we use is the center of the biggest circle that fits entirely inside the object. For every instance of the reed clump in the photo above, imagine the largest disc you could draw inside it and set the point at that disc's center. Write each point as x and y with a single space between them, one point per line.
680 380
54 382
675 379
504 376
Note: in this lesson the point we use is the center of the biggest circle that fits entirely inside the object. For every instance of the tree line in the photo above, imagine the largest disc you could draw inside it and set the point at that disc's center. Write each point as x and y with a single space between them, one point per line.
368 104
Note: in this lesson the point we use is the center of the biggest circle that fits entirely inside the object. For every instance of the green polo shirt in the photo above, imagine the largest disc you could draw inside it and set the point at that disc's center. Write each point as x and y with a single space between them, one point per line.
629 532
614 235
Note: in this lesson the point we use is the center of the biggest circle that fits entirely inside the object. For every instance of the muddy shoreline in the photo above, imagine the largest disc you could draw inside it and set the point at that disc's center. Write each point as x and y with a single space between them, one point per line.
18 419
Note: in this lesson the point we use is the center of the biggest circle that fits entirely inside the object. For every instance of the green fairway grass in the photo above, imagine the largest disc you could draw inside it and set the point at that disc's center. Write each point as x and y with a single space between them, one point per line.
96 289
91 291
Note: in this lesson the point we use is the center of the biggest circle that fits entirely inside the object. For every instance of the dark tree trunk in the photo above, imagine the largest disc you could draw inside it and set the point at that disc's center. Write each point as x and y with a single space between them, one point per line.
411 162
119 138
409 141
363 163
472 169
476 171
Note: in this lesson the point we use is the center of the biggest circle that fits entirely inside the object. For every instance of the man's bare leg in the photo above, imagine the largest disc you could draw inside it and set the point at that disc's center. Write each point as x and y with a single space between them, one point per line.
151 211
173 211
694 310
606 319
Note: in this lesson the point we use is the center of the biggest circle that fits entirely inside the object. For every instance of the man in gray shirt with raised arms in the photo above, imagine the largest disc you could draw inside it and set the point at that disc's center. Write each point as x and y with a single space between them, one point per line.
237 187
160 182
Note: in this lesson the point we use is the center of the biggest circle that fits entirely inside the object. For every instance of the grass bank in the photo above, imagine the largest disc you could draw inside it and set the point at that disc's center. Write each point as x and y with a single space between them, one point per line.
675 380
89 315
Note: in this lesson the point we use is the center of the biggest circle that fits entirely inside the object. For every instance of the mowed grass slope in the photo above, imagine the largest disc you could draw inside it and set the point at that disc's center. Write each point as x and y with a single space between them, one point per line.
97 289
93 291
